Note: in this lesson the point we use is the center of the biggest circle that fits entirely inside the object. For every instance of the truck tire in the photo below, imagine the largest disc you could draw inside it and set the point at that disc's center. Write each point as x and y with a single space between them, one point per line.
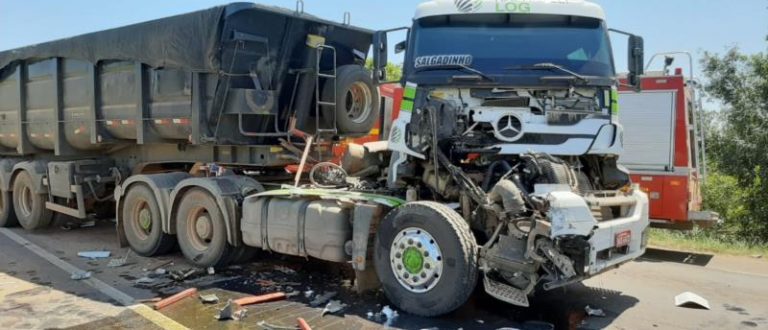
357 100
7 213
142 223
29 206
201 230
426 258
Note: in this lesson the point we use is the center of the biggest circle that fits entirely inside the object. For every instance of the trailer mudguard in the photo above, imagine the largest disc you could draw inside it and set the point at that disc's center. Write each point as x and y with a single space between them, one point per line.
228 191
6 173
161 185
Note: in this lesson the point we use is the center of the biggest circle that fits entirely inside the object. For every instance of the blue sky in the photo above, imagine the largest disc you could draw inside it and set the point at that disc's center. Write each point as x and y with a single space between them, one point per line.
692 25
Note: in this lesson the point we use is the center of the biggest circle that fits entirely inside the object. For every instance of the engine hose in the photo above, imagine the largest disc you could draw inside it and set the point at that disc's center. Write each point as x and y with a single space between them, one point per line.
492 169
510 196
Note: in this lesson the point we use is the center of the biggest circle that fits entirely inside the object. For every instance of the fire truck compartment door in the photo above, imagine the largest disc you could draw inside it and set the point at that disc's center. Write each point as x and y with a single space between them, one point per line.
648 118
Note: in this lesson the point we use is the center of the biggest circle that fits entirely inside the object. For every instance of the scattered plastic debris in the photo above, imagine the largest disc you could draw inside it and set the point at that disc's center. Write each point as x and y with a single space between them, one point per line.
161 271
175 298
209 298
390 314
94 254
285 270
227 312
80 275
309 293
333 306
211 271
145 280
322 299
594 311
691 300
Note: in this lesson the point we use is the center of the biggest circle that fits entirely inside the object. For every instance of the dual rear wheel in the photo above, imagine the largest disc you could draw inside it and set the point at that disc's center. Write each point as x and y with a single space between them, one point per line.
23 205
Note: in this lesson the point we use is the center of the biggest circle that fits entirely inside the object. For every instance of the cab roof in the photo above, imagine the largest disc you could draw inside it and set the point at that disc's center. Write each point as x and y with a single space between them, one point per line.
552 7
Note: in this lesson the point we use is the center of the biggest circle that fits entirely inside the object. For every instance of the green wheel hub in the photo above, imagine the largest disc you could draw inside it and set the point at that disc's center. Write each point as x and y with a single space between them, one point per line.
145 220
413 260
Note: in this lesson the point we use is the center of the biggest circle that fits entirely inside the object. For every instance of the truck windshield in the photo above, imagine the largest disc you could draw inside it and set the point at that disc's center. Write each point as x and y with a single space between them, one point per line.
495 43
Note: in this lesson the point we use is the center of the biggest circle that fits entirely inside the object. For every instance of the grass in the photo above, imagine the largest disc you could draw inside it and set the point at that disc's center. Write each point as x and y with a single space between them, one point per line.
695 241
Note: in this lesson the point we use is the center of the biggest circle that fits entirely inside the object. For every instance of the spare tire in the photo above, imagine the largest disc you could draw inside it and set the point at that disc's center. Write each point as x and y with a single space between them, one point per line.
357 100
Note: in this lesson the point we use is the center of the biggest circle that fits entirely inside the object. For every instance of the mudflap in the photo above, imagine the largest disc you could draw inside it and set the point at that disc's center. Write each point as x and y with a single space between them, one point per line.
505 292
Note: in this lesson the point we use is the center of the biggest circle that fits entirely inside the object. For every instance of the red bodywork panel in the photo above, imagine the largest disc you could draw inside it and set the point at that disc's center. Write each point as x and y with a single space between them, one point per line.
672 194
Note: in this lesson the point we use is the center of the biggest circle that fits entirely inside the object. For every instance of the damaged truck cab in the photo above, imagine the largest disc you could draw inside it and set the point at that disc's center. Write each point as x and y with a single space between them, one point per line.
509 116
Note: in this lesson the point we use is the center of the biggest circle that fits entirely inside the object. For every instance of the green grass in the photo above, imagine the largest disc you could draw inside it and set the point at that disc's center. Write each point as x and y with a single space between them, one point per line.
697 241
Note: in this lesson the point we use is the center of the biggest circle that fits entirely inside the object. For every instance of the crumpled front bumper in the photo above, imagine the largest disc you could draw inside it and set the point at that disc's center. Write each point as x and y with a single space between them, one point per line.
603 254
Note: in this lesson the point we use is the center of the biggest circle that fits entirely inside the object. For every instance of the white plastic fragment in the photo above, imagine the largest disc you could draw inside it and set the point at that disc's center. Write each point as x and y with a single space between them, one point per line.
145 280
691 300
94 254
332 307
211 271
390 314
77 276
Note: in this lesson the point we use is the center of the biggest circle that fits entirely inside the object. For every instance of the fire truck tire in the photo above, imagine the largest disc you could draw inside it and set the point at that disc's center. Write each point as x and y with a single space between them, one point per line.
446 254
28 205
142 223
7 214
201 231
357 100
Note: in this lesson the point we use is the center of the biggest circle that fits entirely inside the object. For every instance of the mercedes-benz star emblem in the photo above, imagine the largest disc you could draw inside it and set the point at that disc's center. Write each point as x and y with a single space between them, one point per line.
509 127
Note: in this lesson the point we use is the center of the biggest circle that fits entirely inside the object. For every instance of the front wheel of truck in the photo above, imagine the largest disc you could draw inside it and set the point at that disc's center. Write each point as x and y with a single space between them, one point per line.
426 258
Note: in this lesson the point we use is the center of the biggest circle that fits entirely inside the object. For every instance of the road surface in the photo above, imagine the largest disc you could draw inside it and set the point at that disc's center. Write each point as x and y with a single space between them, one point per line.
36 292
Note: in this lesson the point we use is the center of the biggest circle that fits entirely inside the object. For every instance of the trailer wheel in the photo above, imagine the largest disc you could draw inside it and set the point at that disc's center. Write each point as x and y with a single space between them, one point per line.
7 213
426 258
29 206
142 223
357 100
201 230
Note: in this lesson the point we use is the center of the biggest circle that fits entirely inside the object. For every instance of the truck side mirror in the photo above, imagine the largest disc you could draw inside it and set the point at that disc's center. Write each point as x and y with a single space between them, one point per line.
636 60
400 47
379 56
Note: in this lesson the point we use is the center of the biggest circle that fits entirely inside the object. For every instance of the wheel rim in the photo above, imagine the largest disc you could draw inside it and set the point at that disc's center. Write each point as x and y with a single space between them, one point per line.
25 201
359 100
200 228
142 220
416 260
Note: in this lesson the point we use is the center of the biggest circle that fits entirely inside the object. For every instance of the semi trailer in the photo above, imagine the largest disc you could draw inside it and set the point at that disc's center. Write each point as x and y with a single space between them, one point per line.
232 130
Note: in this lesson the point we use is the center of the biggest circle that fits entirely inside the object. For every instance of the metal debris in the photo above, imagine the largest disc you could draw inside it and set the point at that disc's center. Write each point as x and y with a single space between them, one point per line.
145 280
691 300
211 271
322 299
594 311
390 314
333 307
178 275
119 262
227 312
94 254
209 298
80 275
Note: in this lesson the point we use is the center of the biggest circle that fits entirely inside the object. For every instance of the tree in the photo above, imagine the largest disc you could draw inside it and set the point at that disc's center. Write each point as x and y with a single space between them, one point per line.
738 139
394 71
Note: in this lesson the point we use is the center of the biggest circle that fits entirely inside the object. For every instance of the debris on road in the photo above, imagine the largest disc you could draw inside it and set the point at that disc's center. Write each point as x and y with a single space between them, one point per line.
227 312
390 315
209 298
119 262
161 271
264 325
158 265
252 300
308 294
175 298
322 299
285 270
211 271
145 280
691 300
594 311
179 276
80 275
292 294
333 306
303 325
94 254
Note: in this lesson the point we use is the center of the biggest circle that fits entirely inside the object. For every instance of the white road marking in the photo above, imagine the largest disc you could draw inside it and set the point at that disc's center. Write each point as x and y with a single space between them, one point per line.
119 296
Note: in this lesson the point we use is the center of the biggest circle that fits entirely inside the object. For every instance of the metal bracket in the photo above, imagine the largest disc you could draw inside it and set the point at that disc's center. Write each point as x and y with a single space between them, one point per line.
300 7
79 212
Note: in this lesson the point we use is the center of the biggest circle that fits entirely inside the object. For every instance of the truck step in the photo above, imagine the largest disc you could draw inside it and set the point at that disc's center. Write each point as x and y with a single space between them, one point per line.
505 292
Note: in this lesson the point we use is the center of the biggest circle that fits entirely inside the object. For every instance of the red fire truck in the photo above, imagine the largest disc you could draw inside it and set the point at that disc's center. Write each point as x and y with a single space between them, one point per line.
664 146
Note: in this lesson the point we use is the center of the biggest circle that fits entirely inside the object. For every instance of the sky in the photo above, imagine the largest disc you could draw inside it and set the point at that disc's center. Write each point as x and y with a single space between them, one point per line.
667 25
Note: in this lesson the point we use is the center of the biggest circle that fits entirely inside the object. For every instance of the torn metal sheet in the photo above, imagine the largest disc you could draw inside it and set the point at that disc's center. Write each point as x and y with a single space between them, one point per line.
94 254
691 300
322 299
333 306
227 312
209 298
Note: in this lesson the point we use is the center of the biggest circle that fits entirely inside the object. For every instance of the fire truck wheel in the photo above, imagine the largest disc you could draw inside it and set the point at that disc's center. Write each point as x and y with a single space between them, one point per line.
426 258
357 100
7 214
142 223
28 205
201 230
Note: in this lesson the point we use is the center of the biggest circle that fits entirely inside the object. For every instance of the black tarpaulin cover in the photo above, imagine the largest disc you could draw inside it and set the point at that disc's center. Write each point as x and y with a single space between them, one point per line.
188 41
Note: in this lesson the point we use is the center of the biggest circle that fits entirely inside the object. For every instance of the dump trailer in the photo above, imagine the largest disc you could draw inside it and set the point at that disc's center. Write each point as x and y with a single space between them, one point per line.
232 130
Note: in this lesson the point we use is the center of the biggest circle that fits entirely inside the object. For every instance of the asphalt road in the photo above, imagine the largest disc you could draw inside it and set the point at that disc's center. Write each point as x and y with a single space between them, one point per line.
36 292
